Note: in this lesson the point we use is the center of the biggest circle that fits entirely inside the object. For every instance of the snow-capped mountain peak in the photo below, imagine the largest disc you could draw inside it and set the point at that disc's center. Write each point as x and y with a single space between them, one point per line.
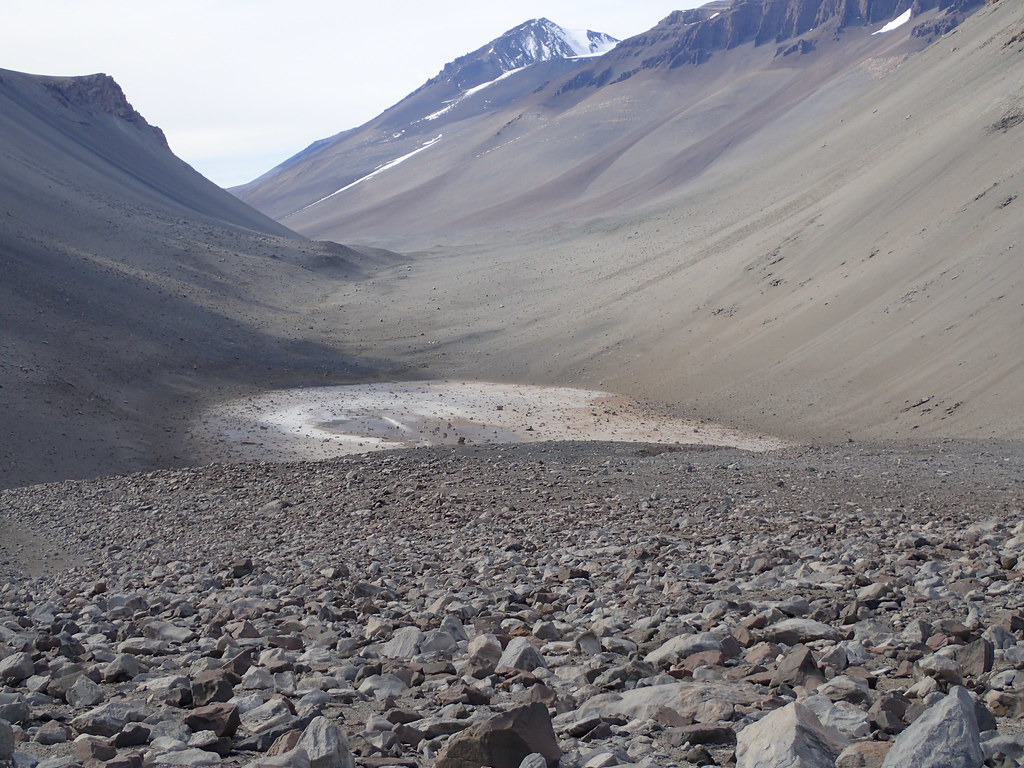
543 40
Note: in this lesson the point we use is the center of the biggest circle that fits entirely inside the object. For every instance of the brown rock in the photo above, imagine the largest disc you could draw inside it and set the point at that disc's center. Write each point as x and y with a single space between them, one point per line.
975 658
92 748
798 667
720 735
285 742
503 741
221 718
210 686
865 754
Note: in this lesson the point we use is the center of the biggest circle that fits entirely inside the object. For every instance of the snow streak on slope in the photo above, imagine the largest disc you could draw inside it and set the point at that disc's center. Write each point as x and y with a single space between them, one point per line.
896 23
450 105
379 170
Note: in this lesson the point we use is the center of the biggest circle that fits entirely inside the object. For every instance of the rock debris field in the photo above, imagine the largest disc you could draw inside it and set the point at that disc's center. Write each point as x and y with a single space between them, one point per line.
574 604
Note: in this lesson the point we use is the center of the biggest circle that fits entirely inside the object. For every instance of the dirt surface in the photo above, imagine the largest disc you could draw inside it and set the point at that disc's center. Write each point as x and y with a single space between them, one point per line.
317 423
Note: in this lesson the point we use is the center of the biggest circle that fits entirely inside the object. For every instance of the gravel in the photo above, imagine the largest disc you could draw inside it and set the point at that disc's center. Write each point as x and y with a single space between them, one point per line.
656 600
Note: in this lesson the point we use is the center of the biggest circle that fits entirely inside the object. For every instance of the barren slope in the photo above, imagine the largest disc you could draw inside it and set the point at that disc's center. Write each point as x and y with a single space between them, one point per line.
131 284
849 268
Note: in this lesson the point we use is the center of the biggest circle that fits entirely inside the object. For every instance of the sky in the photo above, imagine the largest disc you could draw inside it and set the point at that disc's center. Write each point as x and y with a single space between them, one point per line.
240 85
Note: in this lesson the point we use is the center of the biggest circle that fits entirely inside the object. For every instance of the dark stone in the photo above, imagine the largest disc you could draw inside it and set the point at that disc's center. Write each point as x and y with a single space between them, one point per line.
211 686
221 718
503 741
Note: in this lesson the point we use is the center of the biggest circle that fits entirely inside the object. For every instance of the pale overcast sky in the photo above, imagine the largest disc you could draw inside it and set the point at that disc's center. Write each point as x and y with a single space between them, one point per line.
240 85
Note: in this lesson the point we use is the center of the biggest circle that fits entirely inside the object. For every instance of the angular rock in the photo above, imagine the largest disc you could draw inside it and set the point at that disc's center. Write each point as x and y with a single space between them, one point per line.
793 631
853 722
325 745
92 748
682 646
84 693
188 758
15 668
211 686
484 653
6 742
686 698
222 718
864 754
976 658
520 653
122 667
404 644
798 667
267 717
945 736
107 719
503 741
791 736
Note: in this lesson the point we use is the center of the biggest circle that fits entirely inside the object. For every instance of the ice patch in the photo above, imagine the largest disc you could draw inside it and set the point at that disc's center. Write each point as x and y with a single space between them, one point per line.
378 170
896 23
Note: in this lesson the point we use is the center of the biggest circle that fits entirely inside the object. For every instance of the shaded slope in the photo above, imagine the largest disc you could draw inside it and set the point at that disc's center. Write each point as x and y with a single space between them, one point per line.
131 284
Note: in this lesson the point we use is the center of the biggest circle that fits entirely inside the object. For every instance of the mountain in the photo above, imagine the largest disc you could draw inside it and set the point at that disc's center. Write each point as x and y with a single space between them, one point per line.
484 81
586 136
814 236
133 287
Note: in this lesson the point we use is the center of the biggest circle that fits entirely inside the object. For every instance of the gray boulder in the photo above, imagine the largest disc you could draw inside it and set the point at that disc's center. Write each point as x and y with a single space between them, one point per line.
325 745
6 742
404 643
108 719
15 668
520 653
791 736
945 736
682 646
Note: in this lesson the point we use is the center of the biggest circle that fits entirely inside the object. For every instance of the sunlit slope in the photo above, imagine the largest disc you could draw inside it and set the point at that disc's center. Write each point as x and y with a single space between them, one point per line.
853 269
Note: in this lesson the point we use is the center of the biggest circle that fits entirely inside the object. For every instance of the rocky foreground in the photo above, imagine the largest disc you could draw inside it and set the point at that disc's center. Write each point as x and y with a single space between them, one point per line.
582 605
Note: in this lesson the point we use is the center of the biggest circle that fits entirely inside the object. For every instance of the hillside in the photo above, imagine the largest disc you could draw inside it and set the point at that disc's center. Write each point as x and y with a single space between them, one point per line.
819 246
132 285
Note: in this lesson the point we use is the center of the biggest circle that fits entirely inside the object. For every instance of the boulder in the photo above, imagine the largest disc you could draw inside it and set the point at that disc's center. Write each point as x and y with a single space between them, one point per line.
108 719
223 719
520 653
945 736
15 668
791 736
682 646
325 745
6 742
404 644
686 698
793 631
504 741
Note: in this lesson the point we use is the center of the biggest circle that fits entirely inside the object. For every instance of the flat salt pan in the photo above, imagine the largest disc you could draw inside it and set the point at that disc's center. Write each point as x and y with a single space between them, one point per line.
325 422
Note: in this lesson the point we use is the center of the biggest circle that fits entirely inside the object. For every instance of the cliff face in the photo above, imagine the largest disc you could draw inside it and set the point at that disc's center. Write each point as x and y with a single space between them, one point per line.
693 36
100 92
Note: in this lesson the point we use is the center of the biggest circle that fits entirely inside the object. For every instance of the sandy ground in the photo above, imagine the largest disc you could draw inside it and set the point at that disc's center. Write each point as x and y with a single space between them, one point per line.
324 422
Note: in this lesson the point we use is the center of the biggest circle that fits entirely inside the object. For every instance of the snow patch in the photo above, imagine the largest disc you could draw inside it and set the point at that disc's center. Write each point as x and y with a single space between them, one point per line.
379 170
453 103
896 23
